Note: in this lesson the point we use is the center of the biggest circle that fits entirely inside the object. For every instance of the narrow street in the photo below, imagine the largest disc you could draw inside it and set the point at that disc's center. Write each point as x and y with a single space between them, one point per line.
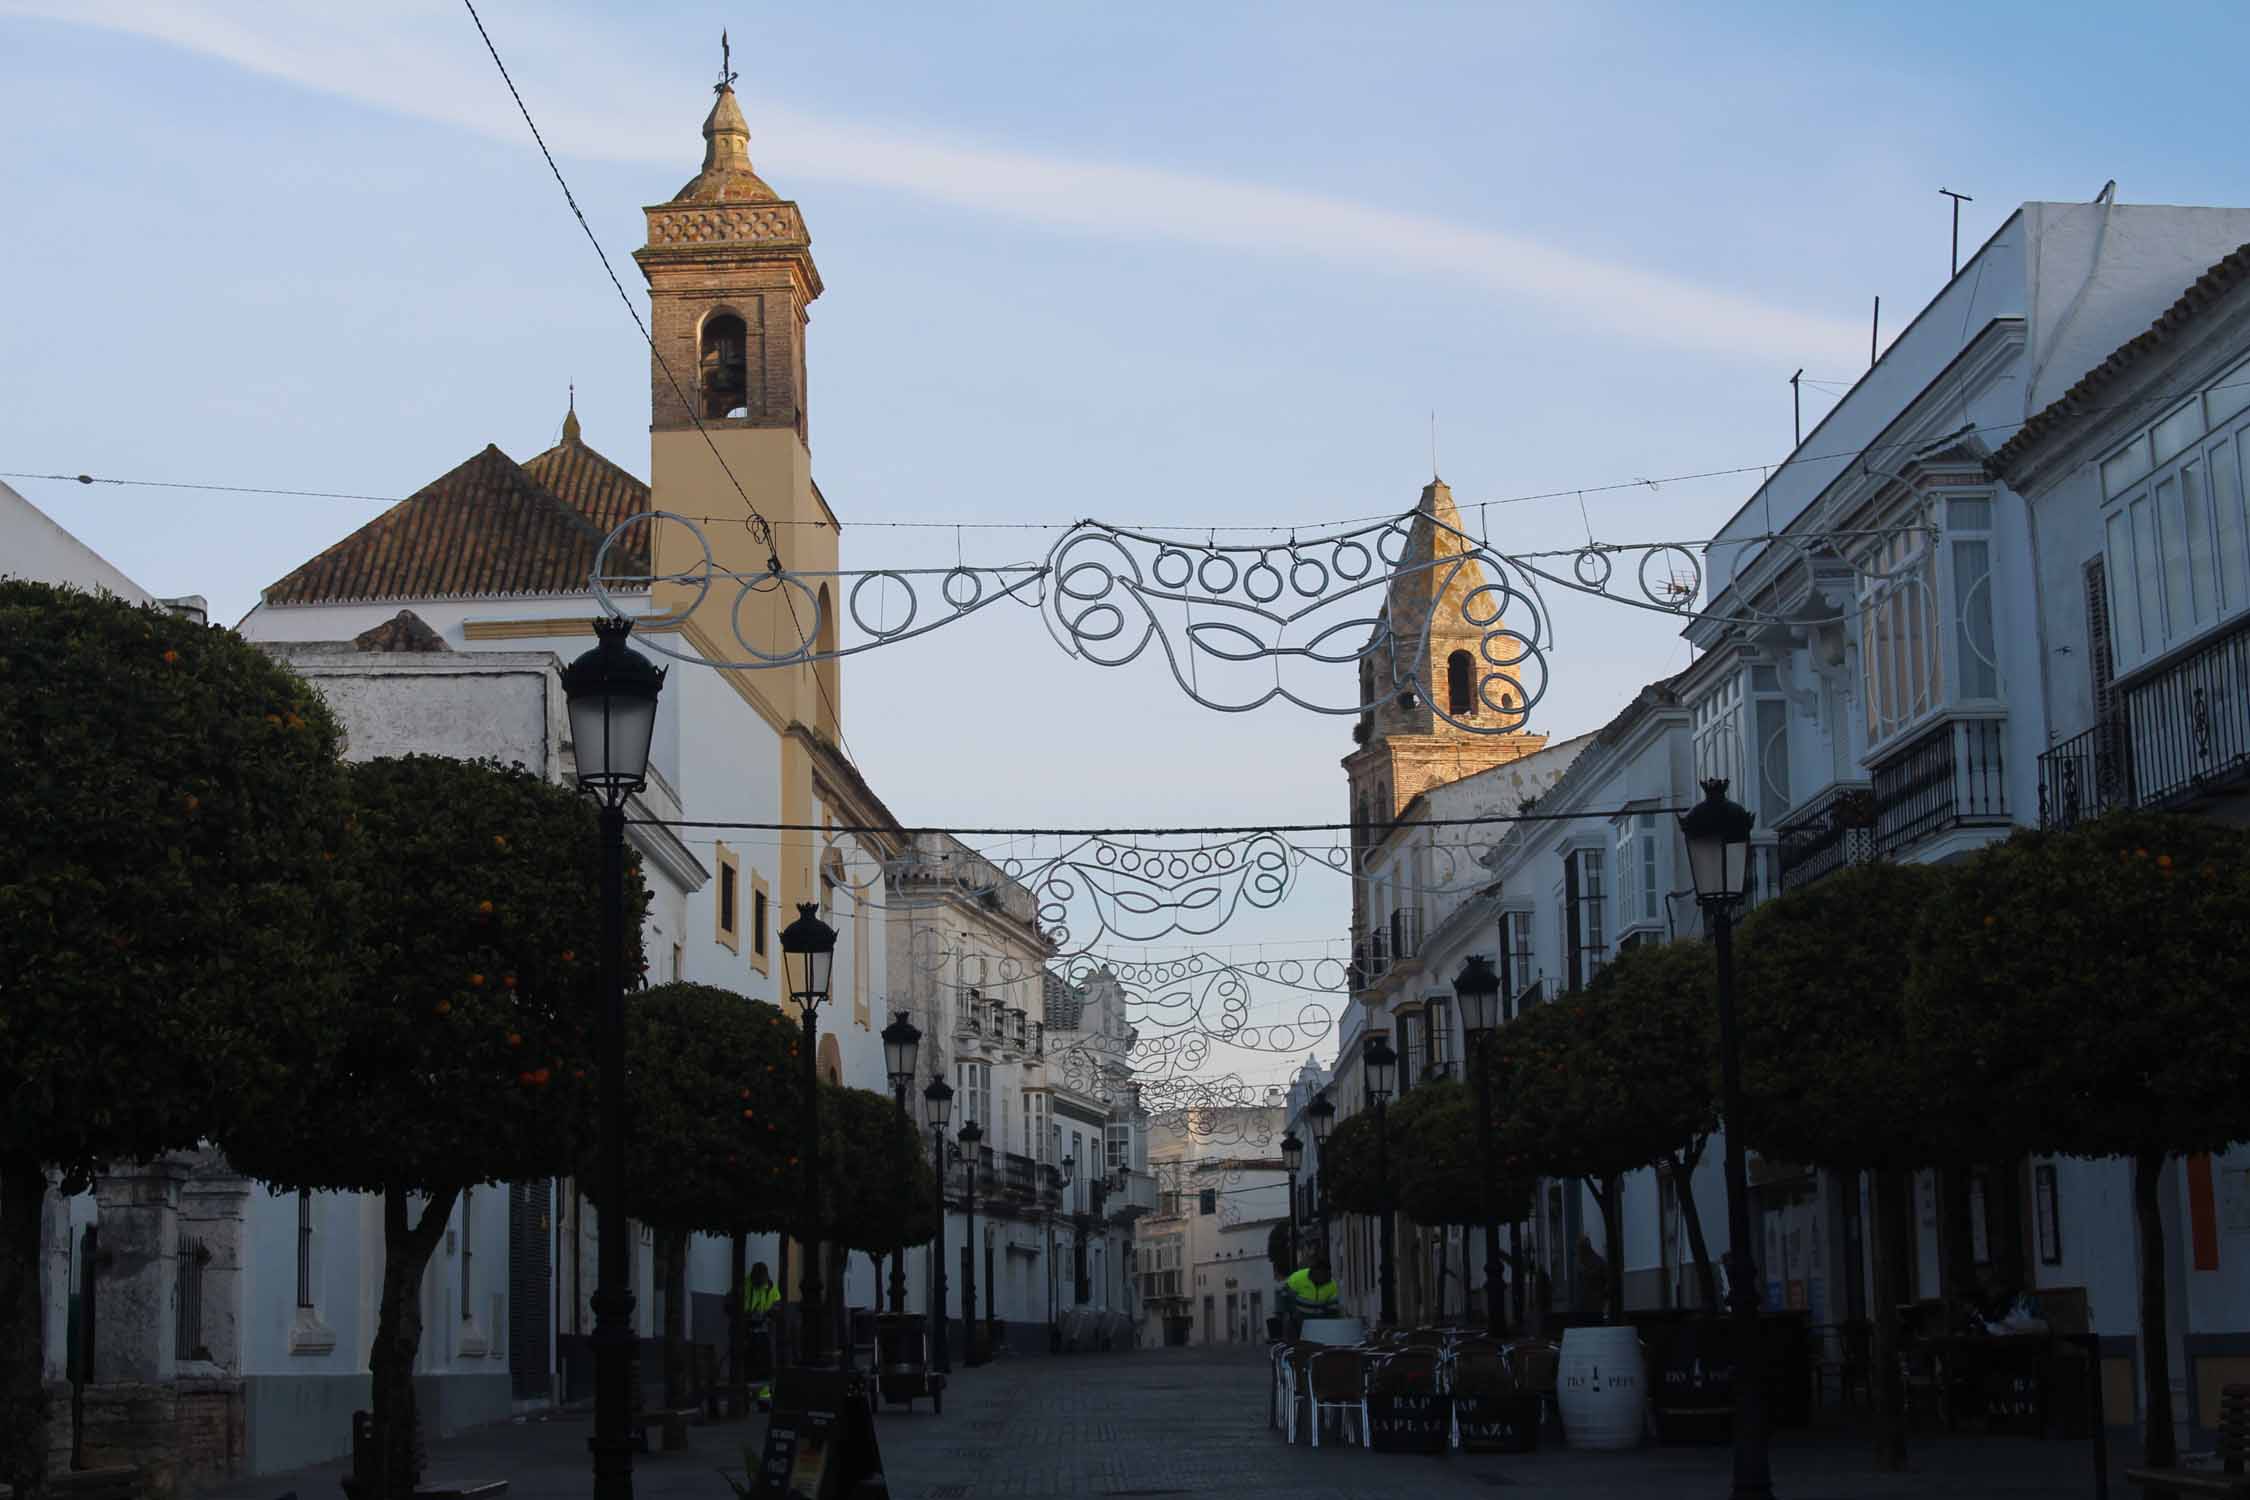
1192 1422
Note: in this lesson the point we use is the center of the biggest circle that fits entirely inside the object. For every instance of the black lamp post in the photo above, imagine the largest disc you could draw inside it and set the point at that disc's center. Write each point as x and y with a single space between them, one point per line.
939 1099
1381 1065
808 947
972 1136
612 694
1717 832
1477 989
1292 1157
1321 1113
900 1041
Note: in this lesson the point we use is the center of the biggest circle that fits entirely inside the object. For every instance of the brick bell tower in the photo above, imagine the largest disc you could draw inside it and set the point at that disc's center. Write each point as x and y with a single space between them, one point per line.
731 283
1405 746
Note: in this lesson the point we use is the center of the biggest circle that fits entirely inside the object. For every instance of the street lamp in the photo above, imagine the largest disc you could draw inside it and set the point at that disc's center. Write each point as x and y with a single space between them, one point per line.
901 1039
1717 832
1292 1157
938 1098
1322 1115
1381 1065
971 1135
1477 988
808 948
612 692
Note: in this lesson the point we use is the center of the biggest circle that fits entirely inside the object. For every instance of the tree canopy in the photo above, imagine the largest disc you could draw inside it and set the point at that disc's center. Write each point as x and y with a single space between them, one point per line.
1820 995
471 953
2088 986
878 1192
716 1097
1618 1077
1437 1161
1350 1177
169 814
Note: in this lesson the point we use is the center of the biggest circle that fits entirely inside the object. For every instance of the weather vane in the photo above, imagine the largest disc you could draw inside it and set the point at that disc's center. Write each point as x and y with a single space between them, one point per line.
726 64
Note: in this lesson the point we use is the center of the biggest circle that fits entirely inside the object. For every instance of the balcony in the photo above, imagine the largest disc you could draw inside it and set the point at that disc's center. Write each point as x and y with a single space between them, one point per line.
1954 775
1050 1186
1833 830
1019 1177
2188 725
1135 1194
2085 776
2184 733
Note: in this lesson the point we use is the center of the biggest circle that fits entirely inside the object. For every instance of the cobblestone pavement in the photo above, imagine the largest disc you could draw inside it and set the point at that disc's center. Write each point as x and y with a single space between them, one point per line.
1192 1422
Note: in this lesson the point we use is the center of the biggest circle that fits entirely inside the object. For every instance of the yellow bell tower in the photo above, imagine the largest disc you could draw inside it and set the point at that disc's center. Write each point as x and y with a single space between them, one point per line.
731 283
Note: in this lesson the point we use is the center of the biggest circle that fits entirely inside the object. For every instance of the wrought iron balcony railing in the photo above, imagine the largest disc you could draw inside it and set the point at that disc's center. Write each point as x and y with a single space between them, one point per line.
2085 776
1833 830
2188 725
1018 1176
1952 775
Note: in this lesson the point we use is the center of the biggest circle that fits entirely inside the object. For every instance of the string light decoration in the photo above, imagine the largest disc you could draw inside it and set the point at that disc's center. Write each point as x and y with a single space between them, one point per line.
1243 624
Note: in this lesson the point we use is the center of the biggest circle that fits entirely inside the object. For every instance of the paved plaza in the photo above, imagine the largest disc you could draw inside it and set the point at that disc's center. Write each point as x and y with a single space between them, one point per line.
1192 1422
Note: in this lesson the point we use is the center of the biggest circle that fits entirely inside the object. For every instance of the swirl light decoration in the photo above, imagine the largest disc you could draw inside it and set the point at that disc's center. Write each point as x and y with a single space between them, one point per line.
1243 624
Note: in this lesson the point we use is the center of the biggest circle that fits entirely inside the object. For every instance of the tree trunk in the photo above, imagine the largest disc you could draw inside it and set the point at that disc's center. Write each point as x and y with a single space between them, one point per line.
671 1250
2159 1444
23 1372
1683 1184
2003 1219
1612 1197
784 1352
398 1335
1957 1243
738 1322
1518 1273
1887 1384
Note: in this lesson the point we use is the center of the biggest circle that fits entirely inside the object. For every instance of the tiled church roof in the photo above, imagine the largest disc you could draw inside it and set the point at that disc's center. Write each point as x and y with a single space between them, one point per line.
490 527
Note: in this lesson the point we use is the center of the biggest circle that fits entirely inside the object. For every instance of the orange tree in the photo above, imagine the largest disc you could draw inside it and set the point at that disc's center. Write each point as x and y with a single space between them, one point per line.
1828 1078
878 1192
168 805
2088 988
1350 1177
469 951
711 1134
1438 1163
1619 1077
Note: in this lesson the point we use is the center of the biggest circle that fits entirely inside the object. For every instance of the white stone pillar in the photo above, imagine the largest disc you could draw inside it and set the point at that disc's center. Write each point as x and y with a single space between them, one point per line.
135 1317
214 1203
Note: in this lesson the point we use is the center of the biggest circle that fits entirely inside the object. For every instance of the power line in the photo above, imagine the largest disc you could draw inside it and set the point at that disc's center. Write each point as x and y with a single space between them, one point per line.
1277 527
1375 830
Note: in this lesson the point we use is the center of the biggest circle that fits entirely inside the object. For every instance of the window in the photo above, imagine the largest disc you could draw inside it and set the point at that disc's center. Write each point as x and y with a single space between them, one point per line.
973 1097
727 920
468 1247
724 368
1718 732
1584 897
1515 958
1976 660
1640 898
1207 1202
758 920
1120 1147
1460 683
2175 544
1898 633
304 1248
1084 1169
2047 1209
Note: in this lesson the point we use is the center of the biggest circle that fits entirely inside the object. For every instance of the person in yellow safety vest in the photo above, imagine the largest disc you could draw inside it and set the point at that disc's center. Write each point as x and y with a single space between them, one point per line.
759 1299
1310 1291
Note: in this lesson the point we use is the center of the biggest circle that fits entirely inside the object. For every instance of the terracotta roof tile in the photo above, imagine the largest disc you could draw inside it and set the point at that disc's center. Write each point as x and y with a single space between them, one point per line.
2208 288
490 527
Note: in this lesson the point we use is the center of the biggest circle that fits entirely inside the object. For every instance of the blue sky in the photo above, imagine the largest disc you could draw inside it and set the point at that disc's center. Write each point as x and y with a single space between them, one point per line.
1153 264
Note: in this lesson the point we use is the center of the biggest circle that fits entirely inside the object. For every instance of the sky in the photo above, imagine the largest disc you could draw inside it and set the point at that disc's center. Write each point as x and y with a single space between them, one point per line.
1167 266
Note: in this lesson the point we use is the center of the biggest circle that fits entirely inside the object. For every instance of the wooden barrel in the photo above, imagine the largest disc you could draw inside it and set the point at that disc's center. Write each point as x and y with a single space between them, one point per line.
1600 1387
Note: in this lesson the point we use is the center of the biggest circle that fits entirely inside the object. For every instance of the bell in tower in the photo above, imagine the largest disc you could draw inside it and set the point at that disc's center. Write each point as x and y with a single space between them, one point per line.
724 372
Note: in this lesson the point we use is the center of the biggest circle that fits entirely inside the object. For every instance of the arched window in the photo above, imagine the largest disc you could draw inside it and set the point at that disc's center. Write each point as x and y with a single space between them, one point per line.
723 368
1460 683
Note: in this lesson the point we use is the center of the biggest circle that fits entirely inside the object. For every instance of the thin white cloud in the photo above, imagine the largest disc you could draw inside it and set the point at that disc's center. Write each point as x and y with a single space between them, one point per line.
421 58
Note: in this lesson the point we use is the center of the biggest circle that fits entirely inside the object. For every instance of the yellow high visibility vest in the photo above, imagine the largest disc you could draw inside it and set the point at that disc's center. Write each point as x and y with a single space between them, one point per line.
759 1300
1310 1293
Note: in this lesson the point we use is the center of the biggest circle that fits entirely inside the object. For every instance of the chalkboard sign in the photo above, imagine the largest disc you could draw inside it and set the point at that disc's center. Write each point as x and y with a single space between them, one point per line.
821 1441
1501 1422
1416 1422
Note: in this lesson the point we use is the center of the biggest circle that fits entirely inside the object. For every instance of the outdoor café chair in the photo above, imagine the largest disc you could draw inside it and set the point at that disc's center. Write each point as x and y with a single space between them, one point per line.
1338 1381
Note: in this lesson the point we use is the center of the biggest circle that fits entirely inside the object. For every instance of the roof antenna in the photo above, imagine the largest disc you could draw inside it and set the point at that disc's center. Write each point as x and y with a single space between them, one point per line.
1958 200
727 74
1797 404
